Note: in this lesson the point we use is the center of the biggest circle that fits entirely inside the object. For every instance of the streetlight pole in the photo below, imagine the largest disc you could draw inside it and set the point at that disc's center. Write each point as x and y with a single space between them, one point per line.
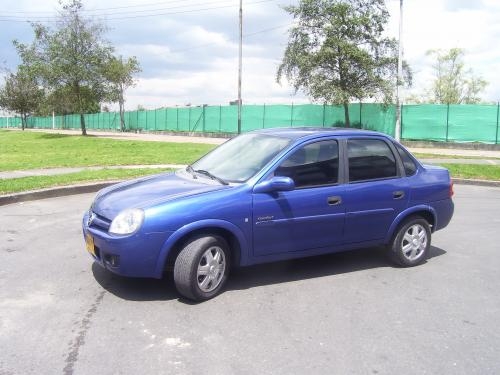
239 66
397 130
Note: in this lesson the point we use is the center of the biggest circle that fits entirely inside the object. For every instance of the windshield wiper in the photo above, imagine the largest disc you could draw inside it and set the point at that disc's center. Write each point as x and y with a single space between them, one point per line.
190 170
208 174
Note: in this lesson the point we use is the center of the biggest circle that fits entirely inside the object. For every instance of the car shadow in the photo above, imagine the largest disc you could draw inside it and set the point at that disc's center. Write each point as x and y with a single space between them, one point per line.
314 267
142 289
135 289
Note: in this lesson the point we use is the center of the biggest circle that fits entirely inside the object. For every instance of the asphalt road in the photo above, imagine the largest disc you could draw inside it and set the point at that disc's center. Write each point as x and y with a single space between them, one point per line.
349 313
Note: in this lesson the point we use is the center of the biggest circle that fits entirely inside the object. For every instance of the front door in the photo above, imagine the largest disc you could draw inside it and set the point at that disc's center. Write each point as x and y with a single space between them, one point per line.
309 217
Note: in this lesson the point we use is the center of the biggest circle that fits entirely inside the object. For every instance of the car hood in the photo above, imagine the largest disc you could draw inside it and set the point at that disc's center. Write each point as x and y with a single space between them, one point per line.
145 192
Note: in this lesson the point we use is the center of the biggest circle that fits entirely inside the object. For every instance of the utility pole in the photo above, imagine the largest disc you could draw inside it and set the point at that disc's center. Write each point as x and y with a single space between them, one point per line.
397 130
239 66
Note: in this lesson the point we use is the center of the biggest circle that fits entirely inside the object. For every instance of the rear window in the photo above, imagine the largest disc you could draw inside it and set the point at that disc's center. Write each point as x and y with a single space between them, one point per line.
408 163
370 159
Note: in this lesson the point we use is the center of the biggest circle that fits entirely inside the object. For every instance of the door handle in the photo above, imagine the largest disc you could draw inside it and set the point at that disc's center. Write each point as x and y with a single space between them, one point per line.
398 194
333 201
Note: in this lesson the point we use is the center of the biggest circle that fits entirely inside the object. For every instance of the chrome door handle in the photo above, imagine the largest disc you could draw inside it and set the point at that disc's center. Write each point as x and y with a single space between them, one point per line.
398 194
334 201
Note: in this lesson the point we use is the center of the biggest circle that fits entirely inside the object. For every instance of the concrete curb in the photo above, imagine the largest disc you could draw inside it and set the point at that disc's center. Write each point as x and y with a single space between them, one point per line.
452 145
59 191
94 187
6 175
465 181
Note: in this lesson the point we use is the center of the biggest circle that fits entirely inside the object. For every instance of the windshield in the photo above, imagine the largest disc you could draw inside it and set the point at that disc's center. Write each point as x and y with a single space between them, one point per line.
240 158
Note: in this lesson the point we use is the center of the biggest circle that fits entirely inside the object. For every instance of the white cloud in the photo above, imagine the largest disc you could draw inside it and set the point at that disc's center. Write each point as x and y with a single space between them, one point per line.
199 34
445 24
192 57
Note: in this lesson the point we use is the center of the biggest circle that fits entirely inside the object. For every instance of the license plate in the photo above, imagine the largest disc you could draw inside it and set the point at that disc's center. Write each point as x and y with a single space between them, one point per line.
89 241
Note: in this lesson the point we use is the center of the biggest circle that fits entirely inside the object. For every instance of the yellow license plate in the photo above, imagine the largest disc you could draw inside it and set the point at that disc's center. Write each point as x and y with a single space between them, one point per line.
89 241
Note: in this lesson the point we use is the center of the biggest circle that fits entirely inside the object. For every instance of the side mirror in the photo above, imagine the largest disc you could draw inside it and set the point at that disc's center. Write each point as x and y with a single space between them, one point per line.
279 183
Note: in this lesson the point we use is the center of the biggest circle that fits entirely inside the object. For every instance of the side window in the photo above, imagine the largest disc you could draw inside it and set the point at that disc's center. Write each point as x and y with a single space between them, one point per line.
370 159
408 163
312 165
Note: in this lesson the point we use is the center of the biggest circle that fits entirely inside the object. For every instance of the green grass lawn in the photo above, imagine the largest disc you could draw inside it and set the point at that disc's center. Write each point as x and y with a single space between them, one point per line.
15 185
474 171
439 156
484 172
31 150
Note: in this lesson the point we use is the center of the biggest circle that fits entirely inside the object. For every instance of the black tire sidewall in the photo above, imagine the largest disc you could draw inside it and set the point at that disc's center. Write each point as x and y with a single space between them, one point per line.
192 253
396 248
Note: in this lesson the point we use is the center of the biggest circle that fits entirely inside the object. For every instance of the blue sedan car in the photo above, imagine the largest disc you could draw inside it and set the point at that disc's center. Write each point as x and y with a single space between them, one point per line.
265 196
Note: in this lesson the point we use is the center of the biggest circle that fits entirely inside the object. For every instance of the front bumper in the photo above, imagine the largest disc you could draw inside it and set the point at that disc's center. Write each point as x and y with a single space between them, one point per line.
136 255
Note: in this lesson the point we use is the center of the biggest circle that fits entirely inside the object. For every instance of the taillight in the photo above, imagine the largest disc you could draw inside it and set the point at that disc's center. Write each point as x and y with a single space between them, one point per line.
451 189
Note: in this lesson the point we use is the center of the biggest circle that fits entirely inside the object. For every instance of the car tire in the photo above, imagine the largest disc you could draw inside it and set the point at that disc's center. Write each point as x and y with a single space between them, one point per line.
202 267
411 243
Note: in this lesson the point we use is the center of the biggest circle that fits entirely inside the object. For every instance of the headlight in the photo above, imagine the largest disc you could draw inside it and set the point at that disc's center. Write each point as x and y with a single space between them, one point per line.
127 221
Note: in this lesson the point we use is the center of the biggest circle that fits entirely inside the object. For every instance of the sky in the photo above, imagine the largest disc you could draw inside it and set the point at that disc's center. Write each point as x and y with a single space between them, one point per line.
188 49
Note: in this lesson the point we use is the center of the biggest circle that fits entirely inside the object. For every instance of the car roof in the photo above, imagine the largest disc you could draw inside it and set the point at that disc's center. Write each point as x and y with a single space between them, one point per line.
314 132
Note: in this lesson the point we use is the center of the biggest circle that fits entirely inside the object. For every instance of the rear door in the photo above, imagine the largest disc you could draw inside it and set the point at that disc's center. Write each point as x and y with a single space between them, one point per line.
376 192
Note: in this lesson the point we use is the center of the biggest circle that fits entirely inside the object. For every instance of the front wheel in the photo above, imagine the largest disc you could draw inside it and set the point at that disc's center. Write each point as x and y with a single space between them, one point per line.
202 267
411 243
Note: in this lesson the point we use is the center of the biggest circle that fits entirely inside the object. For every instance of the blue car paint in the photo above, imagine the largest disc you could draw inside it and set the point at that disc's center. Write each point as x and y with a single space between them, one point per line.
134 261
203 225
139 193
266 226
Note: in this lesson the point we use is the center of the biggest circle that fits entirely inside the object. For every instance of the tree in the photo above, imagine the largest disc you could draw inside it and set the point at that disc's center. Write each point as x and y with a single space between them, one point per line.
336 52
453 82
20 94
62 101
70 57
119 76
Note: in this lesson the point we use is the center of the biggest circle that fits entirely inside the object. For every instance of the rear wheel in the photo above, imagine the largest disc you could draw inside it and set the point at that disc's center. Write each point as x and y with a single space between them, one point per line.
202 267
410 245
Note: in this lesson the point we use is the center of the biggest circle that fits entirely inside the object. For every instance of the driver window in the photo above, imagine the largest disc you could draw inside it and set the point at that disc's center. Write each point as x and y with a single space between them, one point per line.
314 164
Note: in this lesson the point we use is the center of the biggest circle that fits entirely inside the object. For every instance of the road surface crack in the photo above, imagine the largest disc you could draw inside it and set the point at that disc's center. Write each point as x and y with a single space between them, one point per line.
79 341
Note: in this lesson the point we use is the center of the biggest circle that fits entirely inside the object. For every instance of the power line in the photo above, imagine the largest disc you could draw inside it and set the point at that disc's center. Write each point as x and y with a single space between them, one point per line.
99 9
89 13
244 36
195 10
133 14
265 30
174 7
179 12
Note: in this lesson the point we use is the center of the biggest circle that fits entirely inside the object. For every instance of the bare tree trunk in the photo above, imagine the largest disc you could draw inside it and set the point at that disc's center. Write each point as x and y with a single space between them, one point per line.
346 113
82 124
343 84
23 121
122 116
80 108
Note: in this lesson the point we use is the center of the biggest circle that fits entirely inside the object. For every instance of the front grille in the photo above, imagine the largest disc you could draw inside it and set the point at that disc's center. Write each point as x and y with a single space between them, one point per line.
99 222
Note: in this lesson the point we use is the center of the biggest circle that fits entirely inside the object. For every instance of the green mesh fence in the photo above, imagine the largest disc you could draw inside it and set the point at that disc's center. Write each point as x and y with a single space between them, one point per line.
10 122
453 123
